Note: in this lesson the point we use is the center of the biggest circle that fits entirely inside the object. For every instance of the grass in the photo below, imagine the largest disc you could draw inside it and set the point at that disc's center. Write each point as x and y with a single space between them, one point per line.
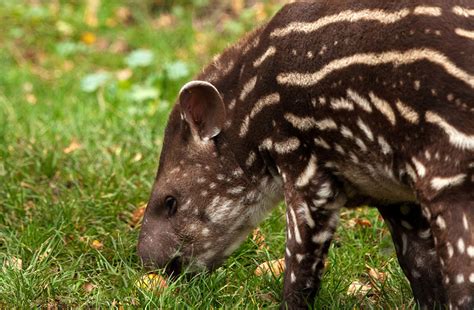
78 156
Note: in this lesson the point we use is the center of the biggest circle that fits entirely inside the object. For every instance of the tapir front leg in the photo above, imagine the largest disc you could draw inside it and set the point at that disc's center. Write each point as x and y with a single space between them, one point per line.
312 215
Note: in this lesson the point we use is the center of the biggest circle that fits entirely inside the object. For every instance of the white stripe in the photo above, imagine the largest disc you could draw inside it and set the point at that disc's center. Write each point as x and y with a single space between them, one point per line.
322 143
441 183
341 104
344 16
308 173
464 33
288 146
301 123
359 100
363 126
386 148
384 108
407 112
458 10
327 123
456 138
270 52
427 10
248 87
264 102
295 226
307 215
420 168
374 59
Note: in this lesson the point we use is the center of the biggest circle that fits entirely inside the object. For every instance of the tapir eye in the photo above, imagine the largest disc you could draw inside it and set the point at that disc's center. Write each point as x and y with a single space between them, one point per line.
171 205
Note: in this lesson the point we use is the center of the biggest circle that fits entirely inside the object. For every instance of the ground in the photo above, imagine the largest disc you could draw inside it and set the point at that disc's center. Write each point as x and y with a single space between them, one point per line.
85 89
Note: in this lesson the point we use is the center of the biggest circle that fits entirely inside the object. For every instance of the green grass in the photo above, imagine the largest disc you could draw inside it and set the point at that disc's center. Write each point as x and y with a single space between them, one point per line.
54 204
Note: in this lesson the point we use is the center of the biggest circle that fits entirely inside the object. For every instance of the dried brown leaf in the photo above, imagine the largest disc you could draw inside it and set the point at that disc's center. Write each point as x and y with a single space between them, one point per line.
137 215
377 277
73 146
275 267
96 244
259 239
14 263
89 287
363 222
358 289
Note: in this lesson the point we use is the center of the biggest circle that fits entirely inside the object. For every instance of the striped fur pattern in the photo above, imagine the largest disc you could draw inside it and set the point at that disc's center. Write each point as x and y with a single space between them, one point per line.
330 104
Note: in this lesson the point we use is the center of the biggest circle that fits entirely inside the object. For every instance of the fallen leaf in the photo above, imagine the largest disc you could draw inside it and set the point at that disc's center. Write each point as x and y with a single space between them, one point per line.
275 267
137 215
89 287
14 263
363 222
377 277
259 239
73 146
152 282
88 38
137 157
96 244
26 185
358 289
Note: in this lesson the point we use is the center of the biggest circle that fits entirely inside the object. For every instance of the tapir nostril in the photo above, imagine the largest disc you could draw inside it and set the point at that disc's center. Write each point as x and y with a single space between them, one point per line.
173 268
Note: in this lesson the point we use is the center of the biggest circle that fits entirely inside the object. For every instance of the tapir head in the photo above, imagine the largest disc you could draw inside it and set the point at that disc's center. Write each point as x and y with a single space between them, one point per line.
202 204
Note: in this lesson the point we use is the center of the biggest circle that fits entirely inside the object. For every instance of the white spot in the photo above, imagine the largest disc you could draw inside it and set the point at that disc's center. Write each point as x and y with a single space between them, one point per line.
471 277
201 180
363 126
407 112
339 149
456 138
288 146
386 148
424 234
359 100
268 53
442 183
288 252
460 278
250 159
420 168
232 104
299 257
450 249
293 277
470 251
461 246
244 128
440 222
464 221
416 85
308 173
322 237
205 232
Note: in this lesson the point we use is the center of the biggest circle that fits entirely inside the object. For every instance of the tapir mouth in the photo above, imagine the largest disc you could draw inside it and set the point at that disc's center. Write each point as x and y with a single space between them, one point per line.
174 266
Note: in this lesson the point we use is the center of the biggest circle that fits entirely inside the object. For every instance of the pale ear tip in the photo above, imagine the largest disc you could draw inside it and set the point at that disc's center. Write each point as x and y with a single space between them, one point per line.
195 83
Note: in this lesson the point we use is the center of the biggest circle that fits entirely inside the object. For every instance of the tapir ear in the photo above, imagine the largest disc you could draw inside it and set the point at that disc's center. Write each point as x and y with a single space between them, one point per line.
203 108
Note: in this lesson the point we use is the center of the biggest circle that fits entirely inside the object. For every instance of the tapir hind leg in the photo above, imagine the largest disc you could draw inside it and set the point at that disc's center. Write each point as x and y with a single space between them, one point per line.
414 244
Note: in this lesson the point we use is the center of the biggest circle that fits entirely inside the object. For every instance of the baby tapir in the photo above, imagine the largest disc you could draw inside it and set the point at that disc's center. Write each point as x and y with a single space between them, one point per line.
330 104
